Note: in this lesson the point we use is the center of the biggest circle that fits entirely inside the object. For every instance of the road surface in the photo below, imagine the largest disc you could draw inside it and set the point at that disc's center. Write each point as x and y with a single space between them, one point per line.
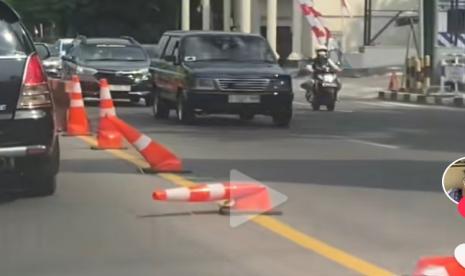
364 189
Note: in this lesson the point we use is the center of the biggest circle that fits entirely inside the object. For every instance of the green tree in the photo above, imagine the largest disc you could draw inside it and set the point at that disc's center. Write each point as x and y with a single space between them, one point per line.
143 19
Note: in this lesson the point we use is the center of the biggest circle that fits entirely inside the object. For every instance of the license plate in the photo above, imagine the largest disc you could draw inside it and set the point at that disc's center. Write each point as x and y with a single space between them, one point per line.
329 84
244 98
125 88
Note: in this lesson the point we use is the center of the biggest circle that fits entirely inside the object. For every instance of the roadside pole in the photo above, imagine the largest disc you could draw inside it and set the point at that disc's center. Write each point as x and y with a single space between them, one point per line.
430 31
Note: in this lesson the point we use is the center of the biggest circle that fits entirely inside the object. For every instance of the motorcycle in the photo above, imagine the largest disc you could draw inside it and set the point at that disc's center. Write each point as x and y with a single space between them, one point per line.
324 89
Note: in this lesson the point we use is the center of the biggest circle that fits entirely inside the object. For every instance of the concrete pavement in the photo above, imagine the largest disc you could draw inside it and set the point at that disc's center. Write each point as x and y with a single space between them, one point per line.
103 222
364 179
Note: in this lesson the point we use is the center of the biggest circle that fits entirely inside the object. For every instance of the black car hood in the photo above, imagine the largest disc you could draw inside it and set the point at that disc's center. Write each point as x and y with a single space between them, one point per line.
225 69
117 65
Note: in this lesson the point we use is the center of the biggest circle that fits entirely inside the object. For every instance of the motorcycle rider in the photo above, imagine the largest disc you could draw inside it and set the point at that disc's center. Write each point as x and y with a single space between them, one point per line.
322 60
319 62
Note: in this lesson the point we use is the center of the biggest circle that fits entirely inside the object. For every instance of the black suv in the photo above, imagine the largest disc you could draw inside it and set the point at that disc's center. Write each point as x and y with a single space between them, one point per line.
122 61
219 72
28 141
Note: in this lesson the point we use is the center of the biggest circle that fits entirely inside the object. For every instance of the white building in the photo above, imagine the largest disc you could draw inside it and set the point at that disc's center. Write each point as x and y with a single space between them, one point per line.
282 22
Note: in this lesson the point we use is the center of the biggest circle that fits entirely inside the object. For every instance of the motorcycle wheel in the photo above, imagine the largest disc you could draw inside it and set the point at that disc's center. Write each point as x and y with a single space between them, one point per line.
331 107
316 106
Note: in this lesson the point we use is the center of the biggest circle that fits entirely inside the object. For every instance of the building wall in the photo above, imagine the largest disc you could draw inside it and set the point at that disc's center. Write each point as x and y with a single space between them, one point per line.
352 28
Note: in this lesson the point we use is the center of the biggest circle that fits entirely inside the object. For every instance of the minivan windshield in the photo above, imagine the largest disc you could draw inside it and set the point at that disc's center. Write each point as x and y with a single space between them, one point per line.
104 52
227 48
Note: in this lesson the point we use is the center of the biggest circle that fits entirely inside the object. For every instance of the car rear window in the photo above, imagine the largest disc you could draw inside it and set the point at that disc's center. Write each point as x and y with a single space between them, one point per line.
12 40
227 48
107 52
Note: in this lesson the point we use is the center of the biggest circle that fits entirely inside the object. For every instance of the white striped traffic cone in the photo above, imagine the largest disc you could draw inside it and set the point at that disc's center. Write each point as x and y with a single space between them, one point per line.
243 197
78 124
158 156
108 136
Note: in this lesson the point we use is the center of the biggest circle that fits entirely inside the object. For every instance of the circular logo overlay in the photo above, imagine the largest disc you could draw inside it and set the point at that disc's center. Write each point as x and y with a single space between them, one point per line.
453 180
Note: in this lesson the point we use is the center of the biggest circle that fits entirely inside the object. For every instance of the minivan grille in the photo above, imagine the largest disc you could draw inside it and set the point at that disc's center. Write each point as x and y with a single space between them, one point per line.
255 85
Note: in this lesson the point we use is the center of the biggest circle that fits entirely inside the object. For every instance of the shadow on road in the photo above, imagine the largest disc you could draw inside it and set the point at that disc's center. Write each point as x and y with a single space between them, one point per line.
425 129
96 166
179 214
385 174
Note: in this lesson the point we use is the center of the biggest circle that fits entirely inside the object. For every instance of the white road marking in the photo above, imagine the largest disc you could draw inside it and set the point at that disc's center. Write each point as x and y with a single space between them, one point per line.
373 144
390 104
411 105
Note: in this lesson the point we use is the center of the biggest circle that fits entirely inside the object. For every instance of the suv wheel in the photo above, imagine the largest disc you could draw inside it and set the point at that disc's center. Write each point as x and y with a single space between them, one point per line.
148 101
283 117
183 112
159 107
40 175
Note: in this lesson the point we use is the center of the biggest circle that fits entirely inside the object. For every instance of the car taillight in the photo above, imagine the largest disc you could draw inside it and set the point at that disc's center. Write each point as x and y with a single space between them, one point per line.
35 91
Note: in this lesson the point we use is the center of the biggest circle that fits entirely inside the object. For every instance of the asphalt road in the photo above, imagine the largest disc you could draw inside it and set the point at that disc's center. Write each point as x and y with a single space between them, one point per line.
364 189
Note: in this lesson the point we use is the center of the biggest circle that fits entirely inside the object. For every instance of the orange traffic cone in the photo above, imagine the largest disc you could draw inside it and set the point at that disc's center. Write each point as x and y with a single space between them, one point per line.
394 84
78 124
240 197
159 157
108 136
439 266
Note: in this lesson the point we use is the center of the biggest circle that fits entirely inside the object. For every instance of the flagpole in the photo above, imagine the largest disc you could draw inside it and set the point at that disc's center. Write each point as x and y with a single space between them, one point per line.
343 29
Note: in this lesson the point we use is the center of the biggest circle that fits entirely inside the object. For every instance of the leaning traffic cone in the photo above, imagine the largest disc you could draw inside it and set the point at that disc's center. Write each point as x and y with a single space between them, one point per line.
439 266
78 124
394 84
239 197
108 136
160 158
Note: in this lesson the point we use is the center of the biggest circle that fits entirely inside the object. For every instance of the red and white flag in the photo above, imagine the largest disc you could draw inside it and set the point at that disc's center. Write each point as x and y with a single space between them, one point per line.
314 18
346 8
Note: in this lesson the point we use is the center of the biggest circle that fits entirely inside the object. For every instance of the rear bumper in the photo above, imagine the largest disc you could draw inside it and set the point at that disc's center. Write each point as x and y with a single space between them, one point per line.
23 151
218 102
24 137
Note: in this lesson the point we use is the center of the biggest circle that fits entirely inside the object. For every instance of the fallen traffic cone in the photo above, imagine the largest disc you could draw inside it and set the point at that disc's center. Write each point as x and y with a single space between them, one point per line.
108 136
78 124
439 266
394 84
160 158
239 197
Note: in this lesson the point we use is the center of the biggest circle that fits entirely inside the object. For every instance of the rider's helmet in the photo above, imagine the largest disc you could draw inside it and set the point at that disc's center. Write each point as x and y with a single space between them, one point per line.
322 51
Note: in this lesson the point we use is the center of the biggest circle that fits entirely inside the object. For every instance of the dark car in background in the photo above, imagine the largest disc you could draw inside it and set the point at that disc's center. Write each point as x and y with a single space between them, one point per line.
29 145
122 61
219 73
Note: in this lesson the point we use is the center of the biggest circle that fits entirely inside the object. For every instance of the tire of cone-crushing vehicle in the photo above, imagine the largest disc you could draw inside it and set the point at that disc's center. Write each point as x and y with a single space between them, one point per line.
159 107
184 113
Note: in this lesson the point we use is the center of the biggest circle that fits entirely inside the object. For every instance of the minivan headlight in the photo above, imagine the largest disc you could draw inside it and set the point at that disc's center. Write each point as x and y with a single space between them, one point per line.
86 70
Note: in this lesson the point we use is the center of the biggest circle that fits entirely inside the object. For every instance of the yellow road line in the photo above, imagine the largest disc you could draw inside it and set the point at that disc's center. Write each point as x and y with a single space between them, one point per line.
281 229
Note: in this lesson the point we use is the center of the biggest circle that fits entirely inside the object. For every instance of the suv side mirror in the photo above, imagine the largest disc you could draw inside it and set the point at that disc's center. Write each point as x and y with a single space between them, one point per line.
173 59
42 50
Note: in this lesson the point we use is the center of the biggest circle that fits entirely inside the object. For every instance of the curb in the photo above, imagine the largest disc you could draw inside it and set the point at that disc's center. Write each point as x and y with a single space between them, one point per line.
348 72
420 99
